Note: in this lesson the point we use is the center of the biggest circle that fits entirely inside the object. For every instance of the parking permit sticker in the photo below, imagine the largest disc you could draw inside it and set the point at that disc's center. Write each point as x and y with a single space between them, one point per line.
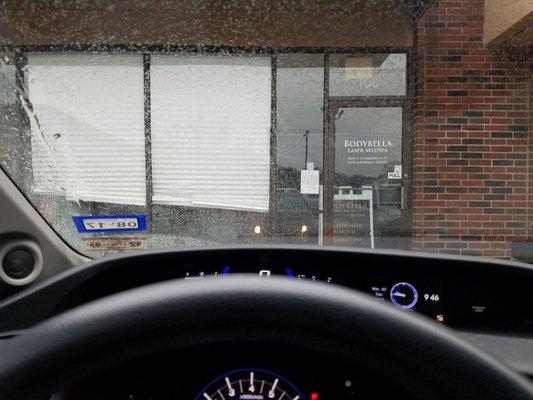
115 243
109 223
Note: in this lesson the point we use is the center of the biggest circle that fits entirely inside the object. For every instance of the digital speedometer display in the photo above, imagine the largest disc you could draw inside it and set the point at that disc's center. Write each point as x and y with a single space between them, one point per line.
250 384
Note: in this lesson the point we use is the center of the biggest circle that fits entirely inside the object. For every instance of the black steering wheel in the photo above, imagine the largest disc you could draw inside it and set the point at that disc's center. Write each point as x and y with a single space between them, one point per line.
177 314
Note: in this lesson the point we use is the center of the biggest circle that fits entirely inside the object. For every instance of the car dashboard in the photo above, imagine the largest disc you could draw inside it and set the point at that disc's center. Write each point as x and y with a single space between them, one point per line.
464 299
476 294
463 293
486 302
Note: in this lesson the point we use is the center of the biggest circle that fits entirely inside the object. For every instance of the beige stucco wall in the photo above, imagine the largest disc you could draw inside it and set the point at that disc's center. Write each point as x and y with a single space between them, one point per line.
317 23
506 18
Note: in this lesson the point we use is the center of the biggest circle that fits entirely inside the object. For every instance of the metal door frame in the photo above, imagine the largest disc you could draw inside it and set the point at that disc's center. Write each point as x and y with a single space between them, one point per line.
334 103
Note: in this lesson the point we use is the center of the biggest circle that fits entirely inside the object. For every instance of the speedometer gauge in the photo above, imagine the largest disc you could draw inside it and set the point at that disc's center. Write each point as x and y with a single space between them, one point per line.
250 384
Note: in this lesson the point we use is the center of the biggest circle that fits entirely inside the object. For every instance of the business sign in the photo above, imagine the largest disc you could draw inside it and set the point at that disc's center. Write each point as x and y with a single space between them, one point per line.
352 223
367 151
396 174
309 181
367 146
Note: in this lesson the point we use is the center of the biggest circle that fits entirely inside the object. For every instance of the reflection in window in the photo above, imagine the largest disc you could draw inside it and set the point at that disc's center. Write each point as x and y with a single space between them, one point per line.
367 75
368 155
300 85
7 79
300 120
368 145
291 201
11 119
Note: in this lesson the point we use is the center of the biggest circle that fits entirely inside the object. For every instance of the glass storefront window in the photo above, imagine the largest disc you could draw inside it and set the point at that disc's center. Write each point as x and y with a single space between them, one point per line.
368 161
366 191
87 124
211 126
300 121
243 148
211 118
367 75
11 120
300 117
7 78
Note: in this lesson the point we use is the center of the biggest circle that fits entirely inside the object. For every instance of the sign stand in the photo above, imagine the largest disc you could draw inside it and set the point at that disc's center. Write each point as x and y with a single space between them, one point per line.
347 193
321 215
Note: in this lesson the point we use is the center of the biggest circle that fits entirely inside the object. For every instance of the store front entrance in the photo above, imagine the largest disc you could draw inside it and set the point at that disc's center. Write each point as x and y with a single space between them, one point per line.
343 144
366 173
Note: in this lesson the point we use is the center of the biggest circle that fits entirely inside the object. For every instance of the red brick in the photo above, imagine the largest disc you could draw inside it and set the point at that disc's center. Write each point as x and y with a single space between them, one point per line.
469 171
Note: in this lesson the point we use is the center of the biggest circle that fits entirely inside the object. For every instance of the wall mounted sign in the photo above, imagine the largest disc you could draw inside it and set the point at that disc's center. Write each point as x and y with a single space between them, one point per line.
396 174
309 181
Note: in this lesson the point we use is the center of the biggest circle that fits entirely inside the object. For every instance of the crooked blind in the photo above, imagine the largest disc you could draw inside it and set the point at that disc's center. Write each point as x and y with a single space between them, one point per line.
87 126
211 131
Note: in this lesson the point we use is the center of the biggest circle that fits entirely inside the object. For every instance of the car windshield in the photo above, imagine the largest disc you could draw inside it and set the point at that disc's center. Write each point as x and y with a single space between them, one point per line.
389 124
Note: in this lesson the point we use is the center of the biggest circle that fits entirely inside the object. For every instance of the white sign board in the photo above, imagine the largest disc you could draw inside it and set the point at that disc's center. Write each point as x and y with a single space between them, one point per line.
309 181
397 174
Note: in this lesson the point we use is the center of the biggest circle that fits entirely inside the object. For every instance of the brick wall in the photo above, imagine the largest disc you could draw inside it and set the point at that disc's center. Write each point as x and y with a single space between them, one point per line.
471 147
530 160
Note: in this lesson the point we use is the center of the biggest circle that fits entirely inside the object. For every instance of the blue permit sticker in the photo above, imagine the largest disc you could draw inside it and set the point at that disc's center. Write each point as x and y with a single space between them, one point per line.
109 223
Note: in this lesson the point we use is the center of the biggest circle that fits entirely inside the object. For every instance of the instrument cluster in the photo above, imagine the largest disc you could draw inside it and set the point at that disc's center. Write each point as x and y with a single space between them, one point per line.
446 299
241 372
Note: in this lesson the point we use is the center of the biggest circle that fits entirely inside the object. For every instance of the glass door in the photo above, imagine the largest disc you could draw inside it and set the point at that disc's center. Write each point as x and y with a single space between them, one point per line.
366 177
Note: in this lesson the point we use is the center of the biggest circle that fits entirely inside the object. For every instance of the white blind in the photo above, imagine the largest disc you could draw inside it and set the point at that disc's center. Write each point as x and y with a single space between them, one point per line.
211 131
88 134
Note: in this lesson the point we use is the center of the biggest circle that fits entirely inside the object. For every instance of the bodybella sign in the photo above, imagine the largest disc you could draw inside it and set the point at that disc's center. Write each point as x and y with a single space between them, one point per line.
366 150
367 146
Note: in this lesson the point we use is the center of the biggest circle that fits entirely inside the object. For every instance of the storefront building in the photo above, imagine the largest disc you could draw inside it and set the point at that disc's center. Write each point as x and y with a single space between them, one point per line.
373 124
472 129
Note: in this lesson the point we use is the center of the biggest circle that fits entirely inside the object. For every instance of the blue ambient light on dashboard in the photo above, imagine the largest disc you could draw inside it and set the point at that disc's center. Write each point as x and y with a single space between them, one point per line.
288 272
226 270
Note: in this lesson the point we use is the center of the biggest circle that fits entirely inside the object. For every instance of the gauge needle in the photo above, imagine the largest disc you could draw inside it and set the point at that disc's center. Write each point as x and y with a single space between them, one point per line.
228 383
